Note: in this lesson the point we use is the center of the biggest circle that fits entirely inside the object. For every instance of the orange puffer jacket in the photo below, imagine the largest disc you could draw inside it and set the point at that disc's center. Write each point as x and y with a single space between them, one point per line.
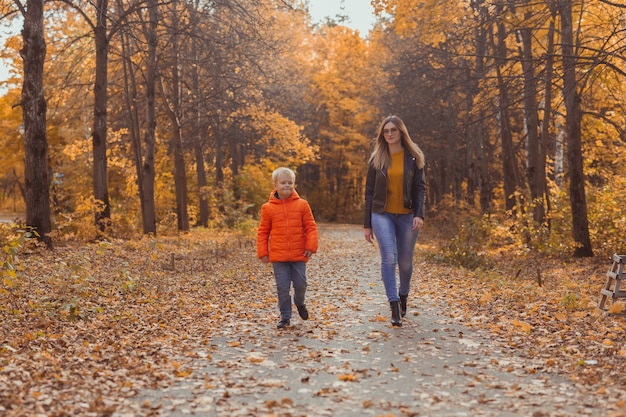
286 230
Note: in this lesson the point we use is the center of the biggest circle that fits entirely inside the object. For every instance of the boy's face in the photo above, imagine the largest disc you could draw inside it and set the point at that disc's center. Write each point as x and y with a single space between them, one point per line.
284 186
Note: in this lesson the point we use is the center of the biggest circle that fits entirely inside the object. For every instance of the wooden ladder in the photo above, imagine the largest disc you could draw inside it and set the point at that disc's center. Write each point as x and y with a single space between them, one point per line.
615 277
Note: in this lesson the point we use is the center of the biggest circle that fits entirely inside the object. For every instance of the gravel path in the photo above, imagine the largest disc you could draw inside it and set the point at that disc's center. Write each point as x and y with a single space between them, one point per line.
347 360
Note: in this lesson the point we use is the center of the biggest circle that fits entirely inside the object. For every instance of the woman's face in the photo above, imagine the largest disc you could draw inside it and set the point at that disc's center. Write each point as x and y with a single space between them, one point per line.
391 133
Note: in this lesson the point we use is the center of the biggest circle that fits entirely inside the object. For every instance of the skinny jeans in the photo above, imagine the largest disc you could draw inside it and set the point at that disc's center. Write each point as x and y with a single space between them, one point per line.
396 242
286 274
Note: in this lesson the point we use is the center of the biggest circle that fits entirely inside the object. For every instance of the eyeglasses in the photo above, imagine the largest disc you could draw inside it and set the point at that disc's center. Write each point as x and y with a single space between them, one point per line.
388 131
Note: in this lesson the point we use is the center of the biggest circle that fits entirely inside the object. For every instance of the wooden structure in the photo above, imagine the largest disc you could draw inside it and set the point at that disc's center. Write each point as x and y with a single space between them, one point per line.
616 277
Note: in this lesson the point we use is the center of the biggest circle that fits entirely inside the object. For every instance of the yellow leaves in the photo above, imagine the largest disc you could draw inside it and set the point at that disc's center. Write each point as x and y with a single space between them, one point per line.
379 318
616 308
255 358
282 140
485 299
348 377
179 372
525 327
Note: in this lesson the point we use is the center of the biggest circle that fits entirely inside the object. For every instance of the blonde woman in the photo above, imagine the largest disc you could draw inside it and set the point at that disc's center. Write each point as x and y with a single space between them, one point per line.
395 192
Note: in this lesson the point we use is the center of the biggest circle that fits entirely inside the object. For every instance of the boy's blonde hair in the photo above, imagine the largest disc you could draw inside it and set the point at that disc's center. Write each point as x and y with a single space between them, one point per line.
279 172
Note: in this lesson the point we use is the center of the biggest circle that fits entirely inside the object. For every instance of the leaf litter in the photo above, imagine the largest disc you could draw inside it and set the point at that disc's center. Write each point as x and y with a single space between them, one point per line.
186 325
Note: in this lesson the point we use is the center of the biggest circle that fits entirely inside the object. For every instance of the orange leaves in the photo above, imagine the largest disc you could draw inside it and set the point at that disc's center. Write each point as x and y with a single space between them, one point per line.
179 371
255 358
486 298
348 377
616 308
607 342
379 318
525 327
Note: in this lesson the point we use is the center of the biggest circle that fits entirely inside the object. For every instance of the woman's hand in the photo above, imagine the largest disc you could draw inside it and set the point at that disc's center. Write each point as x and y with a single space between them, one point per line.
418 222
369 235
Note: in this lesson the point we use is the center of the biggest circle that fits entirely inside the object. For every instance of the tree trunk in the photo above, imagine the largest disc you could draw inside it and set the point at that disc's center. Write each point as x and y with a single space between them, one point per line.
578 201
37 183
509 162
547 110
198 132
148 171
175 113
478 141
142 168
180 180
536 168
99 134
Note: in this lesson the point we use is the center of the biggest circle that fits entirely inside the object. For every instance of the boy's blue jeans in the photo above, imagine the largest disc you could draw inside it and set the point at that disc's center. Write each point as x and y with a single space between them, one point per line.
287 273
396 242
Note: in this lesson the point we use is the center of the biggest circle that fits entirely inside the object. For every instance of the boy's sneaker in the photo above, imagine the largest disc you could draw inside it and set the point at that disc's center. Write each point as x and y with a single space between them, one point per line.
304 313
282 324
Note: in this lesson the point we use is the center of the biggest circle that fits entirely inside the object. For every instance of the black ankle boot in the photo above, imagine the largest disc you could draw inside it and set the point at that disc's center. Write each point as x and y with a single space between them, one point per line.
403 305
395 313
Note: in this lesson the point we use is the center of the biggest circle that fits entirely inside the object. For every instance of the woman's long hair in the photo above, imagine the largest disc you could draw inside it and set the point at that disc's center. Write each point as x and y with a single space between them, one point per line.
381 157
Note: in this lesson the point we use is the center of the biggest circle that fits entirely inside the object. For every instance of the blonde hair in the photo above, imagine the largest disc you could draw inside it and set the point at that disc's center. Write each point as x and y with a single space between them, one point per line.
279 172
381 157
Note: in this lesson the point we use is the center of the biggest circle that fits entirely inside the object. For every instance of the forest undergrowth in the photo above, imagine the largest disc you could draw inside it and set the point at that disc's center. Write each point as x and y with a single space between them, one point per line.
87 322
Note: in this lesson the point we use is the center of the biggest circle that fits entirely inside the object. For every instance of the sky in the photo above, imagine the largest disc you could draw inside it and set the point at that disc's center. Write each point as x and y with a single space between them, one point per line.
360 12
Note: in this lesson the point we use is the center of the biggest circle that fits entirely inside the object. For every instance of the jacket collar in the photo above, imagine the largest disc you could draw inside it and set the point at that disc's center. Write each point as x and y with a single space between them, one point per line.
274 199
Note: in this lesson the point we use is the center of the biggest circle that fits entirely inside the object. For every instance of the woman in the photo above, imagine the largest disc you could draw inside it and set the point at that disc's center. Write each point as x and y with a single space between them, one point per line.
395 191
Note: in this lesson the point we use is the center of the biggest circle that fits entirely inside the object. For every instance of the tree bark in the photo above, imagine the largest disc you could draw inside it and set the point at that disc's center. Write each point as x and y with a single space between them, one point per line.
546 122
510 169
148 169
36 176
578 200
99 134
198 133
175 113
536 168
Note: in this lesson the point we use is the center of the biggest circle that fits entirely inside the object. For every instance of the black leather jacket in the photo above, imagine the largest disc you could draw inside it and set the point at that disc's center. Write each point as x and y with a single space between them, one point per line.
414 186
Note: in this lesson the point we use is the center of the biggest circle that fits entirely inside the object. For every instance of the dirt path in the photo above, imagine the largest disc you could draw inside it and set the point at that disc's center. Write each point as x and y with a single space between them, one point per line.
347 360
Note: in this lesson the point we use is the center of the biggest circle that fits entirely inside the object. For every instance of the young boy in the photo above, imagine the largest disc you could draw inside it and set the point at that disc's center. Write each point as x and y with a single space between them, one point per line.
287 237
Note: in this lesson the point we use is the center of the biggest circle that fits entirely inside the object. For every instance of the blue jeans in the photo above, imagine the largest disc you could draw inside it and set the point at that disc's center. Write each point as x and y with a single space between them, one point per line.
396 242
287 273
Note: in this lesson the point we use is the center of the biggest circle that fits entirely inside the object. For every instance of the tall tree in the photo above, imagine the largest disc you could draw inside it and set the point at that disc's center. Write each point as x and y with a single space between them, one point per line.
174 109
573 116
144 159
37 183
99 134
98 16
547 119
510 168
536 163
151 122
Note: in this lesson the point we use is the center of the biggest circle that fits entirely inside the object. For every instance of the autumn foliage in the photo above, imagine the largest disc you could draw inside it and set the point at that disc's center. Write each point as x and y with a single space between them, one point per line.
518 107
